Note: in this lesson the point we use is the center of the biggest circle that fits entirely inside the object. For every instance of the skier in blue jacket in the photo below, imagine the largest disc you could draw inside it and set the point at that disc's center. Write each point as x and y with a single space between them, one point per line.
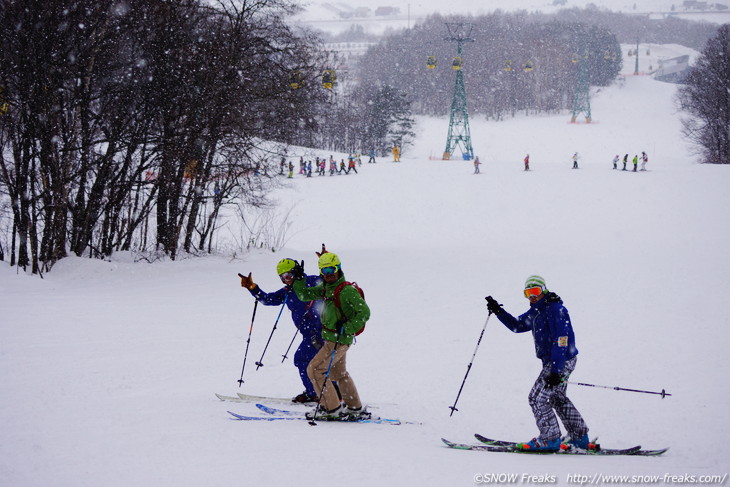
549 322
305 315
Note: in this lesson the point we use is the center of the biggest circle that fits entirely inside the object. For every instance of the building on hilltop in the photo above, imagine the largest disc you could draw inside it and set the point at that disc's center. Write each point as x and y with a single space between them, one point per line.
672 70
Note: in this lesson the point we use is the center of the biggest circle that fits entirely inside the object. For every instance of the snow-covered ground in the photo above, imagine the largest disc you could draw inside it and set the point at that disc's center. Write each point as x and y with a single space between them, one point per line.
109 369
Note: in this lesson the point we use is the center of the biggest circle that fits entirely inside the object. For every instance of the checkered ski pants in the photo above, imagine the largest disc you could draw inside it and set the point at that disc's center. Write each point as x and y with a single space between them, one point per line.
546 401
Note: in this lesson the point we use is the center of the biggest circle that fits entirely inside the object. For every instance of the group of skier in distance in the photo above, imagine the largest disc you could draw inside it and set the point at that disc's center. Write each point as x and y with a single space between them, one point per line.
644 159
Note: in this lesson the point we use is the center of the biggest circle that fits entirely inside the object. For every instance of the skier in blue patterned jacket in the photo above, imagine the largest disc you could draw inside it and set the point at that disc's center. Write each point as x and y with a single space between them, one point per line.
552 331
305 315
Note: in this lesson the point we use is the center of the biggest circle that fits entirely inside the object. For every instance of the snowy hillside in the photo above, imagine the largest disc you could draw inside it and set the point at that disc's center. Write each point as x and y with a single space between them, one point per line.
334 17
109 369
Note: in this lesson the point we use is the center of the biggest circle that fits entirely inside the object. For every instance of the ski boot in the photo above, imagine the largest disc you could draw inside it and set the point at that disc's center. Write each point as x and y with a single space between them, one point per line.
540 446
304 398
582 443
319 413
357 414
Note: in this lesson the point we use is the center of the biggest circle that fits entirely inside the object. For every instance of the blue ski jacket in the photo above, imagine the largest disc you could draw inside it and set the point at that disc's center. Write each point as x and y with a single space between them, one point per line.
305 314
551 329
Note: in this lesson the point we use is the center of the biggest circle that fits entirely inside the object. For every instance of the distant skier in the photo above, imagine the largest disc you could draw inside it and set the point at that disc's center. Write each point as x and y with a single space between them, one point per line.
626 160
476 165
396 153
342 167
615 161
635 160
291 170
351 165
575 161
333 166
527 162
372 157
644 160
552 331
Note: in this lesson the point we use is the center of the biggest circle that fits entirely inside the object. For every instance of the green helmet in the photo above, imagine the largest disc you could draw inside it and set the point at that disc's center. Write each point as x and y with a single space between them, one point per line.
328 259
285 265
536 281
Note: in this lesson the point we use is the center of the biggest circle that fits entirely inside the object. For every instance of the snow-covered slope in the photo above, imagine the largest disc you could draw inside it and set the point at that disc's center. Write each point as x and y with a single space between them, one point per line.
335 17
109 368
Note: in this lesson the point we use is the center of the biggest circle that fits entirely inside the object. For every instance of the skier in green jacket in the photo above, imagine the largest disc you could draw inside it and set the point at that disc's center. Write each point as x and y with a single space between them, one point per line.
339 326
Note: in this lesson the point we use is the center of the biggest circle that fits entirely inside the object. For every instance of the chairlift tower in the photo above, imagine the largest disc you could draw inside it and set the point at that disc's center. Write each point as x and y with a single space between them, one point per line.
459 134
582 96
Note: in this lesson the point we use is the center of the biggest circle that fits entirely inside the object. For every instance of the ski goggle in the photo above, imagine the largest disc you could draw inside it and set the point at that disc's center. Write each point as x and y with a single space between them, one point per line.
286 275
533 291
328 271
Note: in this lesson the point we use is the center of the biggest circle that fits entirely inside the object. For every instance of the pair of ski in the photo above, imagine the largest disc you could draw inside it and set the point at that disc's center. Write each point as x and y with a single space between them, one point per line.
250 398
285 415
489 444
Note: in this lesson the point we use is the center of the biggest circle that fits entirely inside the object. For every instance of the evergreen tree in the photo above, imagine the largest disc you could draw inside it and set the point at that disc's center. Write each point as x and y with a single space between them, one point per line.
518 63
388 118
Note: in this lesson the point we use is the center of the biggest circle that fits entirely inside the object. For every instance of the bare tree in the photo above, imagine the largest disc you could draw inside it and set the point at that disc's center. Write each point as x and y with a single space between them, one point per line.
130 124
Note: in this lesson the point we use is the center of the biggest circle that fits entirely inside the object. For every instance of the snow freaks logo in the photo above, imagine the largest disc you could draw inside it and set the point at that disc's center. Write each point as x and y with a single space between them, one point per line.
514 478
599 479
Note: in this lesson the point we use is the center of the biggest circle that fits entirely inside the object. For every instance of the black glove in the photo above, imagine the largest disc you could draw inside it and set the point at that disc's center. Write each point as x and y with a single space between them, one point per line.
316 341
553 379
493 306
298 270
551 297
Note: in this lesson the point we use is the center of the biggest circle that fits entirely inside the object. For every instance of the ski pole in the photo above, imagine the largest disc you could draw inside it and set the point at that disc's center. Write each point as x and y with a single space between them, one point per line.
286 354
663 393
248 341
260 363
468 368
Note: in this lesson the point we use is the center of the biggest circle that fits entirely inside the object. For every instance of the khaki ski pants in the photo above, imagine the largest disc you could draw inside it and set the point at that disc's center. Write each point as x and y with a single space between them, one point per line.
317 370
